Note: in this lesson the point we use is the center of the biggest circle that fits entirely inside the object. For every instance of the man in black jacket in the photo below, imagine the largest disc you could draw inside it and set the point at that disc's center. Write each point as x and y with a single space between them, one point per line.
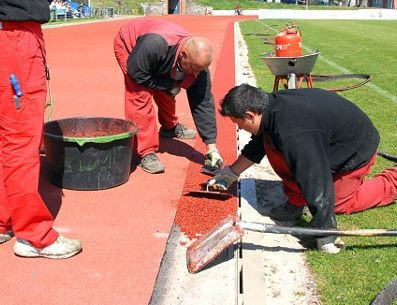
22 210
158 58
320 144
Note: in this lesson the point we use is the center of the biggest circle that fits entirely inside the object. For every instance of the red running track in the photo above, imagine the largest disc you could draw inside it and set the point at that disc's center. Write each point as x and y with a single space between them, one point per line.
124 229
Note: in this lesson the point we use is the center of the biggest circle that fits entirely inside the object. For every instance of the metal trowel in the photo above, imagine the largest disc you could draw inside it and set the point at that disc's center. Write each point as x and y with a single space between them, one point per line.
211 191
210 171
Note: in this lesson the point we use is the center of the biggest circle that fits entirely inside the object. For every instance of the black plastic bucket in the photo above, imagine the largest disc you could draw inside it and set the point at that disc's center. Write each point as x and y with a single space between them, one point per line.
89 153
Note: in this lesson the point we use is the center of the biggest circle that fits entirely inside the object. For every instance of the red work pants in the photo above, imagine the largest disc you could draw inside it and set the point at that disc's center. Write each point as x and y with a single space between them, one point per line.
21 206
352 192
139 107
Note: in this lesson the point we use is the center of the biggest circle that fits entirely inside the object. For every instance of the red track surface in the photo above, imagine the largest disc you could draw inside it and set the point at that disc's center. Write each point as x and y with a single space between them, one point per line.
124 229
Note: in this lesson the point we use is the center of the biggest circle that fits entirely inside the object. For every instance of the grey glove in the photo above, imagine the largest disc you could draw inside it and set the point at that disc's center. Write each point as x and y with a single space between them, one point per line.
223 180
329 244
213 159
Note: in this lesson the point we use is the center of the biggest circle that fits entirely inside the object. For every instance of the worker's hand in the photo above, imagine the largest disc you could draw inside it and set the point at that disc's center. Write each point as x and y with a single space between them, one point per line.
213 160
223 180
329 244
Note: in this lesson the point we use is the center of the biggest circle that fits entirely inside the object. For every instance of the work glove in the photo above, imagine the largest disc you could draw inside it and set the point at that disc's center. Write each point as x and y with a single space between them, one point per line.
213 160
174 91
176 88
223 180
329 244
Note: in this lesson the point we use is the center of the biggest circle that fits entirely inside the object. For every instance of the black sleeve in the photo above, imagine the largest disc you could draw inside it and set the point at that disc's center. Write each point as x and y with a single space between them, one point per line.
145 59
254 150
305 154
25 10
202 106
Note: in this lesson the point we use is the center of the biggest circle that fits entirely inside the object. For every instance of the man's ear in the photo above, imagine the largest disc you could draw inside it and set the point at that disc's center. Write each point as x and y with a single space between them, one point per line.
183 53
250 116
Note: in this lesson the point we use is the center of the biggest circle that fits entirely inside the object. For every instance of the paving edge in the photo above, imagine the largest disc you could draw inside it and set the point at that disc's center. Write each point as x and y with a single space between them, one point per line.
214 285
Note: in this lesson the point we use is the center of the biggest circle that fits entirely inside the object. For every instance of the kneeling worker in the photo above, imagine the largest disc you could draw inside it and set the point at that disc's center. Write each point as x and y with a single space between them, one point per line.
320 144
158 58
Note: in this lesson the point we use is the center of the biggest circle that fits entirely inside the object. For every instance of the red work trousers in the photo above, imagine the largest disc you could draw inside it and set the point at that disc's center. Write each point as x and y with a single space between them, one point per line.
352 192
21 206
139 107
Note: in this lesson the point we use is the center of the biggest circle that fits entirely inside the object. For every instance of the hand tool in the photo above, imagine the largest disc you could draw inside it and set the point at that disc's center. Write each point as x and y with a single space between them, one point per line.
231 229
210 171
210 195
17 90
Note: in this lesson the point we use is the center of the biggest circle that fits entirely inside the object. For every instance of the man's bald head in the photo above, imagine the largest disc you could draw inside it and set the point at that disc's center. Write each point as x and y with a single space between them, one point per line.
196 55
200 48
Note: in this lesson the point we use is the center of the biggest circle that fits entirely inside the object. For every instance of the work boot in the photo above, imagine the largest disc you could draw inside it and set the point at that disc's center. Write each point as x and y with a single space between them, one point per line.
329 244
62 248
286 212
6 236
178 131
151 164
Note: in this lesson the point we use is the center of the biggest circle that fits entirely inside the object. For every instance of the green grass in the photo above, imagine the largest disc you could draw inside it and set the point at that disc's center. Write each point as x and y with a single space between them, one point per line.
358 273
131 5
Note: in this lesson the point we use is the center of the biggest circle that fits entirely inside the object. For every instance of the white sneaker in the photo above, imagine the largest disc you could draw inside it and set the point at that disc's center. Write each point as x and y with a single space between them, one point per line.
6 236
329 248
328 244
62 248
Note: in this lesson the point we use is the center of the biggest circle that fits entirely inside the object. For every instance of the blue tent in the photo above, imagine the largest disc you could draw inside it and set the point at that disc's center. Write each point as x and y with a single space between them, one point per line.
86 10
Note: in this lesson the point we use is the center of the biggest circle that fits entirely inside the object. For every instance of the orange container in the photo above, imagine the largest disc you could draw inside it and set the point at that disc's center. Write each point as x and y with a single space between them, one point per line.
288 42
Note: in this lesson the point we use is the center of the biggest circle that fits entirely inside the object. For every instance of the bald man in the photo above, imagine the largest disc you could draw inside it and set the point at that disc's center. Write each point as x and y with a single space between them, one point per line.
158 59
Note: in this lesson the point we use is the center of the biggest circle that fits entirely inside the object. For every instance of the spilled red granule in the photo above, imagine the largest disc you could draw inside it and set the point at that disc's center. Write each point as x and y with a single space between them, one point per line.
198 214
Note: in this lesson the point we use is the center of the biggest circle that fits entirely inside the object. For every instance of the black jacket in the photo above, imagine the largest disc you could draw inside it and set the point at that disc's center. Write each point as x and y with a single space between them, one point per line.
319 134
25 10
149 64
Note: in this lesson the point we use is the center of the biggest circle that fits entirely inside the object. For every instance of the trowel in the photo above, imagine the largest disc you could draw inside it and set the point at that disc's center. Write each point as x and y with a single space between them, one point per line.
210 192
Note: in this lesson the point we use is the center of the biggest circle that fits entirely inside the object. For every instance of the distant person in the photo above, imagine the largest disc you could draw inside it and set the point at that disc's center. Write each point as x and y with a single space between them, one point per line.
158 59
237 9
80 10
22 210
208 10
321 145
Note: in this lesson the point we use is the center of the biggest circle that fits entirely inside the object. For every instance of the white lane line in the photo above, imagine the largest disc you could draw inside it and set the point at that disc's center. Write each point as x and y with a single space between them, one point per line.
376 88
62 229
160 235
